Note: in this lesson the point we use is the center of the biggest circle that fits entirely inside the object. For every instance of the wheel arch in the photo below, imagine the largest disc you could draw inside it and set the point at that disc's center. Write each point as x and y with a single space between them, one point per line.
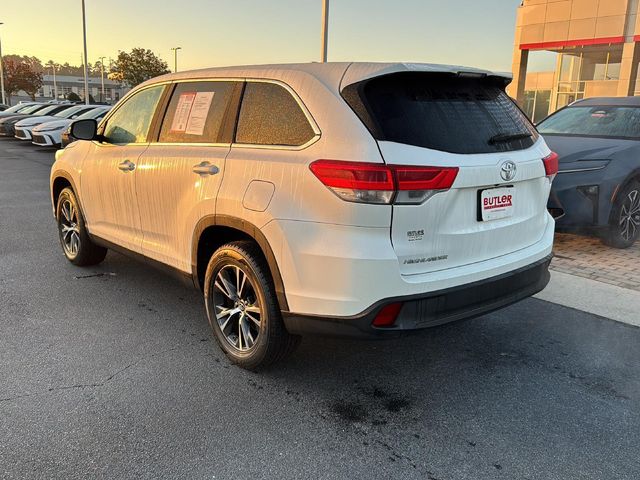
214 231
634 175
61 180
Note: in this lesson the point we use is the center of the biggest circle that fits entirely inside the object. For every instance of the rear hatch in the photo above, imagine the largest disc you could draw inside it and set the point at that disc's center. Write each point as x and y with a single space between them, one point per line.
497 202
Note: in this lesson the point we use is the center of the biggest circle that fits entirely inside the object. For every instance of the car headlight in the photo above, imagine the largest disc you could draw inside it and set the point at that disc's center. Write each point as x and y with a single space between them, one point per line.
44 128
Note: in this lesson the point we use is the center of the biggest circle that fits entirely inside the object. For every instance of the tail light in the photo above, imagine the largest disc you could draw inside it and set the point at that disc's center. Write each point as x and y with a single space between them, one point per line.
387 316
551 165
384 184
354 181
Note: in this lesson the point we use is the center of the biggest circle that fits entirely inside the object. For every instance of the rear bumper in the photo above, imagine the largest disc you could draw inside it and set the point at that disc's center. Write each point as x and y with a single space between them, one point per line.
433 308
341 271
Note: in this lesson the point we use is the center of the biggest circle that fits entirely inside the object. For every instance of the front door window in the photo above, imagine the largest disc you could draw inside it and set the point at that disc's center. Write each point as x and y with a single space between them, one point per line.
130 122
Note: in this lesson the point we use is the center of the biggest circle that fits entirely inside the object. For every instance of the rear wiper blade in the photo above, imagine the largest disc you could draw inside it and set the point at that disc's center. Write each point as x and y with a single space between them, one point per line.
508 137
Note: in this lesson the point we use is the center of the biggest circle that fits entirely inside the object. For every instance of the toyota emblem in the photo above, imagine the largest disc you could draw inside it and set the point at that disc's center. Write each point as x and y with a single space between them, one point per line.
508 170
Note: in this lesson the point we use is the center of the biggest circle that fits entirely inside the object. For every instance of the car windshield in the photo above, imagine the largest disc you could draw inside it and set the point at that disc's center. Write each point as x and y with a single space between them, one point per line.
48 110
32 109
601 121
69 112
17 108
92 114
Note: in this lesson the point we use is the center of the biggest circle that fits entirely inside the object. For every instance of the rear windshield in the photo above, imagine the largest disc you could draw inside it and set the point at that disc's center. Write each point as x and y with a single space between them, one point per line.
602 121
442 112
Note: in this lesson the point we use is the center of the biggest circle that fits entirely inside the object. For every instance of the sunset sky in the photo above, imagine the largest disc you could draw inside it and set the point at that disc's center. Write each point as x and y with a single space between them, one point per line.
228 32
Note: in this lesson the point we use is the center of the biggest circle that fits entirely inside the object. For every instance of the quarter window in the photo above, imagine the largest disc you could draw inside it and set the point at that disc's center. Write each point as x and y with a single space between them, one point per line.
197 113
130 122
271 116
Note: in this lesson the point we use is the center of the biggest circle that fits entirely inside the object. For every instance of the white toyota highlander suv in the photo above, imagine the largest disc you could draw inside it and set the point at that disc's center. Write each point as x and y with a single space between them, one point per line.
343 198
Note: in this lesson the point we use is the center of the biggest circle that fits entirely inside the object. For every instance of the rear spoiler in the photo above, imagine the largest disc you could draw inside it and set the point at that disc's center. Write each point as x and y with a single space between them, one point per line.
357 72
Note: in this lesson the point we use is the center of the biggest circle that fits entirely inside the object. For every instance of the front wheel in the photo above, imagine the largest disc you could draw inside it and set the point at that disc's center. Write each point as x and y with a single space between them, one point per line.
242 307
74 237
624 227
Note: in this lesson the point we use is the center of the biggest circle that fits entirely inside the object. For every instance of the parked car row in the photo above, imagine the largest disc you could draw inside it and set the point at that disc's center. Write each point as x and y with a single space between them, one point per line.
46 124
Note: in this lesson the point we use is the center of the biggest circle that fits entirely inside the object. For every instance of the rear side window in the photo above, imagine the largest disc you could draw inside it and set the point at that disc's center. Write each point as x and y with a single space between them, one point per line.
197 112
269 115
442 112
601 121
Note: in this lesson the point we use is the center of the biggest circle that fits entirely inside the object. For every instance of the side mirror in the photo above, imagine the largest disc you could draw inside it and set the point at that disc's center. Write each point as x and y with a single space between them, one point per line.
84 129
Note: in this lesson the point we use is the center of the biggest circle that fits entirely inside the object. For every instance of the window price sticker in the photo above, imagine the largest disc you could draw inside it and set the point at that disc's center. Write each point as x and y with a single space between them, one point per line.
191 112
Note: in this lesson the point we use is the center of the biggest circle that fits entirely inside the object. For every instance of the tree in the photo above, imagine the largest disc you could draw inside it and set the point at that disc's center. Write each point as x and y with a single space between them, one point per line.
136 67
66 69
21 74
33 62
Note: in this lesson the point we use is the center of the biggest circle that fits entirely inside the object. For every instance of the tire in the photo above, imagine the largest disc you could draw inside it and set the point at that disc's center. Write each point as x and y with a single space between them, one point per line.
72 232
624 225
248 327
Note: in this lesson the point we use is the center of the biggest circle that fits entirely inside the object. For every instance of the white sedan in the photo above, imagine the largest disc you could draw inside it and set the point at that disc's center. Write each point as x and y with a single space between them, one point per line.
24 127
49 134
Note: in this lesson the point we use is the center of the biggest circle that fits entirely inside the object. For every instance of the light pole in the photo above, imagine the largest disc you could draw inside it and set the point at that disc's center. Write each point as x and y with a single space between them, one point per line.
2 73
102 78
86 68
55 85
325 30
175 58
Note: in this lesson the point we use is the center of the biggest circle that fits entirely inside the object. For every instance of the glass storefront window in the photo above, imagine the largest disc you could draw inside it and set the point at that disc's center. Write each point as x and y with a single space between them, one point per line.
529 103
543 102
585 70
536 104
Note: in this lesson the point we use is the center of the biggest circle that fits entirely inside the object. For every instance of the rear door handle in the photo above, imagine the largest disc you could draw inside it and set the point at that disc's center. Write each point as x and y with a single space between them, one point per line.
205 168
127 166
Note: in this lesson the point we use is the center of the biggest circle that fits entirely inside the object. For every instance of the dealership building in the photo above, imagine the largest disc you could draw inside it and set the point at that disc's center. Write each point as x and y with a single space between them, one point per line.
597 42
63 85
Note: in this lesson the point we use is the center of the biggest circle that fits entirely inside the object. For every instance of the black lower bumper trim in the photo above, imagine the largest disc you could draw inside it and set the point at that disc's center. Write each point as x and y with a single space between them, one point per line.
433 308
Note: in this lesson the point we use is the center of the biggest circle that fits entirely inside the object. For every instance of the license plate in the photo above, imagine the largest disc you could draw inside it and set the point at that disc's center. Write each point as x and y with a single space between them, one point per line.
496 203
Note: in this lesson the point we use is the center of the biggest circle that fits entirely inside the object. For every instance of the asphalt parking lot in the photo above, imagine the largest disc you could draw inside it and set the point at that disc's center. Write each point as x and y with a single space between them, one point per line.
111 372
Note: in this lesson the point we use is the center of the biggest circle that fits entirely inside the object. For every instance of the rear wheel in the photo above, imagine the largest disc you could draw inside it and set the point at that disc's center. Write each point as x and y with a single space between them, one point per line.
74 238
242 307
624 227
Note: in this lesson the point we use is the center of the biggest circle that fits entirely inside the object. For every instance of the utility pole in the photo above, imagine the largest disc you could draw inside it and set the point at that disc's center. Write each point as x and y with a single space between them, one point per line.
102 78
2 73
86 68
325 30
175 58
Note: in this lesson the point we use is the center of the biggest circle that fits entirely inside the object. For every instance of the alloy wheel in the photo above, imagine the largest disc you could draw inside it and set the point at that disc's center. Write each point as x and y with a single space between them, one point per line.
630 216
237 307
69 229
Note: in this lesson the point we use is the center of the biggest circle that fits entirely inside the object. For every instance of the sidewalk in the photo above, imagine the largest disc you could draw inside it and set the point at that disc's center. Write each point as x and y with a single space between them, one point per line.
589 258
609 301
591 277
